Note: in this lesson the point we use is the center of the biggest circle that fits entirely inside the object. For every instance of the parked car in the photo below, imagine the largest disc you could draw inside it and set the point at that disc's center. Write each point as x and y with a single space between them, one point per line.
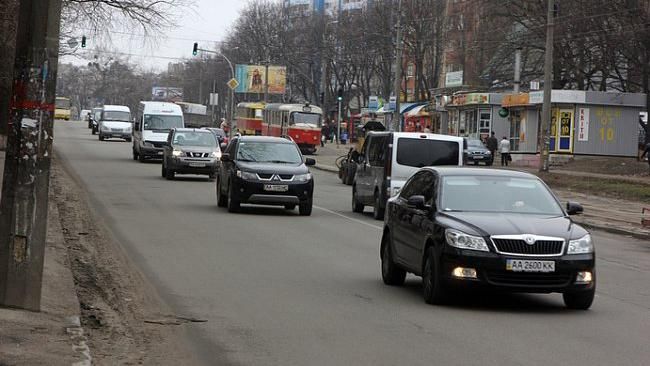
465 227
190 151
267 171
94 118
220 133
153 122
115 122
388 159
476 153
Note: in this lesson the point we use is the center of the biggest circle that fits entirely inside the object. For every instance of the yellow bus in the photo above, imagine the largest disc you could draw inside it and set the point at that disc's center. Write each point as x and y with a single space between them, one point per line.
62 108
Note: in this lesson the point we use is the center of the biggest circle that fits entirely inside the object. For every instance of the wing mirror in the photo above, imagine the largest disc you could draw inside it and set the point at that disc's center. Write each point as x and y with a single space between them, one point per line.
417 202
310 162
574 208
225 157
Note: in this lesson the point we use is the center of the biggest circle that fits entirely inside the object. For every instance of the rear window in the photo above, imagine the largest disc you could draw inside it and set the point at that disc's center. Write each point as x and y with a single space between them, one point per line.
425 152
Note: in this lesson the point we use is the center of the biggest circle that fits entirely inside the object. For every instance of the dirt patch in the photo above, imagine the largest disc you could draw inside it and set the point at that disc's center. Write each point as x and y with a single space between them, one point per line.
117 303
599 187
607 165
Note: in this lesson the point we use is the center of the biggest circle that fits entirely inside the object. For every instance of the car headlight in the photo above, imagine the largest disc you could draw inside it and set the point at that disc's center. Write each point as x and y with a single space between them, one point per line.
459 239
176 152
106 128
246 175
303 177
488 153
581 246
216 154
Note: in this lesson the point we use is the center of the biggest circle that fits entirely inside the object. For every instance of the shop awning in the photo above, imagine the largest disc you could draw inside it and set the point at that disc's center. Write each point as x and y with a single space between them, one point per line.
417 111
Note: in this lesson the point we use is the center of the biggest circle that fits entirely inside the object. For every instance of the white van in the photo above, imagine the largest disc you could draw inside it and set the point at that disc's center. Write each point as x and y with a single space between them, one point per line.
388 159
115 122
152 125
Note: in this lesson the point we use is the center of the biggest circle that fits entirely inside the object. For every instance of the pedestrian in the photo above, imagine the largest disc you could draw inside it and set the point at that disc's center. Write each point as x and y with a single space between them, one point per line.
646 129
646 151
504 149
324 132
332 131
492 144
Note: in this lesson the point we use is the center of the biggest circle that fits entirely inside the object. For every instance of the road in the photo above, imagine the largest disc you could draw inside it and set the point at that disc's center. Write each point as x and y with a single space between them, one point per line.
281 289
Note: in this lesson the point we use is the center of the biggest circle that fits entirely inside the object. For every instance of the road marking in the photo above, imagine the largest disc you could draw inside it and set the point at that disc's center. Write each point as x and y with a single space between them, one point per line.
348 217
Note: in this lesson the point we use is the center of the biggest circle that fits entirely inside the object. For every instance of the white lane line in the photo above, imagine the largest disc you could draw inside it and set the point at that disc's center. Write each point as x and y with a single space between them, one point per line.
348 217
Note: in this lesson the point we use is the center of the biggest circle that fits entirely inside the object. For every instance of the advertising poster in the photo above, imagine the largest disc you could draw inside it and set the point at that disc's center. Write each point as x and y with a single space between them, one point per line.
583 124
251 79
166 94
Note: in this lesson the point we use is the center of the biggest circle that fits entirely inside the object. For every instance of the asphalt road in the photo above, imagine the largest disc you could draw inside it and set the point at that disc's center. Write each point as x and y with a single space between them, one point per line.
281 289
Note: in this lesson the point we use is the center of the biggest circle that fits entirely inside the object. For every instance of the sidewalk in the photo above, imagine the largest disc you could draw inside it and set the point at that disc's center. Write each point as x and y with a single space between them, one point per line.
54 335
609 214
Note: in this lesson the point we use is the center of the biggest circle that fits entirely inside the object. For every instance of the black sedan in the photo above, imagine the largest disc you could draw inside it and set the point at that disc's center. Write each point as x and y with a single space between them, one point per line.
476 153
464 227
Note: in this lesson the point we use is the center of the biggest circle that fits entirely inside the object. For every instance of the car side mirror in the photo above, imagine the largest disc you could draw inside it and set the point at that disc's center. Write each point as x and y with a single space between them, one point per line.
574 208
225 157
223 146
417 202
310 162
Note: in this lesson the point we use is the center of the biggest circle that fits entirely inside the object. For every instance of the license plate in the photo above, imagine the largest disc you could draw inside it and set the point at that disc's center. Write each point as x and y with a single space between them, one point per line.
478 157
197 165
276 188
524 265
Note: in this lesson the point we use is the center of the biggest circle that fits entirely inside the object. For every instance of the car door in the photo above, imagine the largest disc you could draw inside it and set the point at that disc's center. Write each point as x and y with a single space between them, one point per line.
416 220
227 167
401 217
167 148
377 162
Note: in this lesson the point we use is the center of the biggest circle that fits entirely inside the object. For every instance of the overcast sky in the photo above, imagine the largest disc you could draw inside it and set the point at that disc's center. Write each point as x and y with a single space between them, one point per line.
208 23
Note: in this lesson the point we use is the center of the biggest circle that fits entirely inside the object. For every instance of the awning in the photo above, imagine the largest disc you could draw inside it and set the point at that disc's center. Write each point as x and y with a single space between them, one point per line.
417 111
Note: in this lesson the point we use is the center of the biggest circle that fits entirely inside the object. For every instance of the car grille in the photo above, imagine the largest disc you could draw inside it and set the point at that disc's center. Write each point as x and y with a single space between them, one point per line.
116 130
528 279
518 246
275 177
286 176
264 175
197 154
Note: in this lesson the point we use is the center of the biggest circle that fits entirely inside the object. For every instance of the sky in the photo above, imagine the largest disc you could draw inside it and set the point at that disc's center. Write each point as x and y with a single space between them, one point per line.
207 23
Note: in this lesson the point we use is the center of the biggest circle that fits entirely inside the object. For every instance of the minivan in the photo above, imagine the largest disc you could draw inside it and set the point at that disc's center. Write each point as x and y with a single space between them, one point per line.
115 122
153 122
388 159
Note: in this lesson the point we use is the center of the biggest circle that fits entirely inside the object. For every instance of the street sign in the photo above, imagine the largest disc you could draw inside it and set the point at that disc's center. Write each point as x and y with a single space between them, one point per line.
373 102
233 84
72 43
392 103
214 98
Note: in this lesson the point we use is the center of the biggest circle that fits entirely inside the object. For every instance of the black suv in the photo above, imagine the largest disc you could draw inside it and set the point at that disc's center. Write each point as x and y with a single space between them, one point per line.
267 171
462 227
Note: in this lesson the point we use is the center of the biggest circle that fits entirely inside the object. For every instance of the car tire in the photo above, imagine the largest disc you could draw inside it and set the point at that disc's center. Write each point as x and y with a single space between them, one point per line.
222 199
290 207
489 163
169 174
93 131
163 169
378 211
135 154
305 208
233 202
391 274
141 158
128 139
356 205
351 170
433 289
579 300
101 137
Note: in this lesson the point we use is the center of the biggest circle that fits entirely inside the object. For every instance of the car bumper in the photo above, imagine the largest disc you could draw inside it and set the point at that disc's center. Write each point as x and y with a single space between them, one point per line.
116 135
491 272
151 151
479 158
193 165
254 192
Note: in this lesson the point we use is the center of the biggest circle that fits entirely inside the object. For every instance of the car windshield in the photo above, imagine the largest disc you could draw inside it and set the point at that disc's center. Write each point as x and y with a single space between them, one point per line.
62 103
97 114
425 152
268 152
308 118
195 139
497 194
475 143
117 116
162 122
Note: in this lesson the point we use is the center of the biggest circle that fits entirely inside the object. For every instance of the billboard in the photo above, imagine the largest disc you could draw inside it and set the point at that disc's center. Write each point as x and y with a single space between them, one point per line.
454 79
251 78
166 94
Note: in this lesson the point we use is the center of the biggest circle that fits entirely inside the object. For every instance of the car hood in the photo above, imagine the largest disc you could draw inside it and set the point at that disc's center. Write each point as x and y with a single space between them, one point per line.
148 135
487 224
273 168
116 124
201 149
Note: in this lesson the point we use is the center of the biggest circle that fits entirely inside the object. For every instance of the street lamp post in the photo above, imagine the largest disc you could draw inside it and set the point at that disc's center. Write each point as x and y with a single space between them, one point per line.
231 107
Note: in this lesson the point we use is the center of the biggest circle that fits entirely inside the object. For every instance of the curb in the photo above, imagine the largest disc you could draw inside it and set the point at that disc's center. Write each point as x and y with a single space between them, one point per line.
617 231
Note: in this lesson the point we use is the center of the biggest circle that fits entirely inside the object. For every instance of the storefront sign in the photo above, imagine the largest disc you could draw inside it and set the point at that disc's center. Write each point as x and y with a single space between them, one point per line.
536 97
373 102
477 98
583 124
513 100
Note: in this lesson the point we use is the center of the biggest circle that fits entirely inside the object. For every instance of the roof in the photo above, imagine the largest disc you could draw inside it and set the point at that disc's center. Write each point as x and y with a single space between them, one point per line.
293 107
265 139
158 107
254 105
201 130
120 108
462 171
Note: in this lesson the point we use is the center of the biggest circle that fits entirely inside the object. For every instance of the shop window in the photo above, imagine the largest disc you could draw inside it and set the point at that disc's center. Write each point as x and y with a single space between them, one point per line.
515 128
484 123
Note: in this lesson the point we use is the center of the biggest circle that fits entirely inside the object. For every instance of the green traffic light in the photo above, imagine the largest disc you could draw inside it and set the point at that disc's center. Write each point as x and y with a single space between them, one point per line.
195 50
83 42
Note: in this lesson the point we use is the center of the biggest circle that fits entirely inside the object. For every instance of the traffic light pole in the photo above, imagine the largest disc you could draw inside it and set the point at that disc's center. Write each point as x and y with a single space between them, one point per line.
24 202
397 120
231 107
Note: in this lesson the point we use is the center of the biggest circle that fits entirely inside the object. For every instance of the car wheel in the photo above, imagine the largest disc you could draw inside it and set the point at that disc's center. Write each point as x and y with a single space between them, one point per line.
488 163
305 208
128 139
290 207
163 169
222 199
579 300
141 158
101 138
351 171
169 174
93 131
390 272
378 212
356 205
135 154
233 201
433 289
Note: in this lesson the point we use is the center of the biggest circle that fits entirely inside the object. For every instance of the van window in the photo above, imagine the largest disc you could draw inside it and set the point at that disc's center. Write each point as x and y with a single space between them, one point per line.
162 123
377 150
425 152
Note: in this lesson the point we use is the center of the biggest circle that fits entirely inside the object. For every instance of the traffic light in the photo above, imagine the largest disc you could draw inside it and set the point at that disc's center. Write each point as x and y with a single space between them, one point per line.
83 42
195 50
339 94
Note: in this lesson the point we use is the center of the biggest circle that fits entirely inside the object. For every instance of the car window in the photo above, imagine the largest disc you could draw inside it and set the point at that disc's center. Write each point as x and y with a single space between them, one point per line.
377 151
497 194
268 152
422 183
425 152
204 139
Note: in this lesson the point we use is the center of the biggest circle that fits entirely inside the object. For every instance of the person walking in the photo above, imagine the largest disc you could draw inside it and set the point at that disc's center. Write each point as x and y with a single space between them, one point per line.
324 132
646 140
504 149
646 151
492 144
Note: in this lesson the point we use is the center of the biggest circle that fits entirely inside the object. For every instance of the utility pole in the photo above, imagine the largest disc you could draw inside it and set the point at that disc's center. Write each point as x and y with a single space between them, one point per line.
266 81
544 139
397 125
24 202
517 70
